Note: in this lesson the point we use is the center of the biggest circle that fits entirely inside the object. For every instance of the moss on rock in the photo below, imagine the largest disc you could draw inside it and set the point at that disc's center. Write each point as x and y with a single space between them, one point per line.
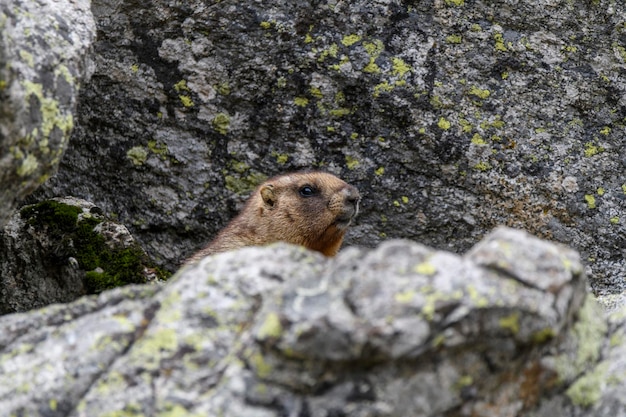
71 233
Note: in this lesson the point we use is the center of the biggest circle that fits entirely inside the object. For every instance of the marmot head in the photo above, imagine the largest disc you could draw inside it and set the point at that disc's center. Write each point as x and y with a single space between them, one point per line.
312 209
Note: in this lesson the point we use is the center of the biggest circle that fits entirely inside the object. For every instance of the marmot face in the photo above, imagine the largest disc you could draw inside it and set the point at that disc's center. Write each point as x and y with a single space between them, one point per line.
311 209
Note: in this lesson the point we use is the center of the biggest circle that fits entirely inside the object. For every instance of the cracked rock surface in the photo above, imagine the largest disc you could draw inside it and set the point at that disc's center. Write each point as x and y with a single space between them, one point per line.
450 116
394 331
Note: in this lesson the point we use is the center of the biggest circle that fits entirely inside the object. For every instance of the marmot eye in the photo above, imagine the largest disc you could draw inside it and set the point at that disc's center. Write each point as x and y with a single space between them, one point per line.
307 191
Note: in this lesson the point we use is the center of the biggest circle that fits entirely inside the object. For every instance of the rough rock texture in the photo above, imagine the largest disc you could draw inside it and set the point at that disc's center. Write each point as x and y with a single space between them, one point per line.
402 330
56 251
451 116
43 44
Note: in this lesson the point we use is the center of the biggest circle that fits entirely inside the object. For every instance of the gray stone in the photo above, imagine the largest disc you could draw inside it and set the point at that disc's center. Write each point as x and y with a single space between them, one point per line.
401 330
58 250
43 46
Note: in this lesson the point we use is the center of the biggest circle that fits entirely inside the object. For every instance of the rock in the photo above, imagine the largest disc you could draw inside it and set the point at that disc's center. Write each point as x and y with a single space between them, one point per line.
58 250
450 116
43 46
402 330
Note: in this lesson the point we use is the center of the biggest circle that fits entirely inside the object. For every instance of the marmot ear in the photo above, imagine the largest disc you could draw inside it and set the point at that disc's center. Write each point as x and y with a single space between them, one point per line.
267 194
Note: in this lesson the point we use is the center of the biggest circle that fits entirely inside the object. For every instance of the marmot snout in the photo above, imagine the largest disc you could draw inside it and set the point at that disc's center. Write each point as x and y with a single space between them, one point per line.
311 209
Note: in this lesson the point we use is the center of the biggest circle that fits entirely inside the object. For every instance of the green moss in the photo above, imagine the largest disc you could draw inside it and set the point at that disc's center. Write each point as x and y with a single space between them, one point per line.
265 25
380 171
456 3
74 237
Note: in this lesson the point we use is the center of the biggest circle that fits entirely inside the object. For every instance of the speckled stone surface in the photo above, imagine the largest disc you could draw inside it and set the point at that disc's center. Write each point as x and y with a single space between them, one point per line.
451 116
401 330
43 60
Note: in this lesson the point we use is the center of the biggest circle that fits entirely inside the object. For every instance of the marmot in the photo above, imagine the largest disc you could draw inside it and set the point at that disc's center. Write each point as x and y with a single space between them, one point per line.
312 209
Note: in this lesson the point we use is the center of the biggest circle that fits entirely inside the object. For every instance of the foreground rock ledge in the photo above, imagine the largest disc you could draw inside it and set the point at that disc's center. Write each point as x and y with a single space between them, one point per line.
402 330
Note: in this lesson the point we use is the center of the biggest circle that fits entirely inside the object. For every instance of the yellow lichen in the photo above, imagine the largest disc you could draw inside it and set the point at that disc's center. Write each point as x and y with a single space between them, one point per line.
301 101
443 123
399 67
510 323
453 39
425 268
271 327
350 40
591 201
351 162
221 123
475 91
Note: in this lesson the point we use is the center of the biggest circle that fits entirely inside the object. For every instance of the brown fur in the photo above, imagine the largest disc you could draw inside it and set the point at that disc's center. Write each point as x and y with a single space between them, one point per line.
277 211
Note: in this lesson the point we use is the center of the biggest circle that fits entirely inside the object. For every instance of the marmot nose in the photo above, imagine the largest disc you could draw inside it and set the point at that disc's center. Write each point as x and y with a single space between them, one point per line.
351 194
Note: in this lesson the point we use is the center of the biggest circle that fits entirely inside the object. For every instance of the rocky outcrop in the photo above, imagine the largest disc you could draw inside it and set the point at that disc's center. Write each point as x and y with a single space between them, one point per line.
402 330
58 250
450 116
43 46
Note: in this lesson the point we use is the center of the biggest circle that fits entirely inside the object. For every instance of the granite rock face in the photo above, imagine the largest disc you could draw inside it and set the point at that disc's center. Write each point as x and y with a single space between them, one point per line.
43 47
505 330
450 116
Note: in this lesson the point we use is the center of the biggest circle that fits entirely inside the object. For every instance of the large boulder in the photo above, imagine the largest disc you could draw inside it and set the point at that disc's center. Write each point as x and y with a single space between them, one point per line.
43 46
58 250
403 330
450 116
